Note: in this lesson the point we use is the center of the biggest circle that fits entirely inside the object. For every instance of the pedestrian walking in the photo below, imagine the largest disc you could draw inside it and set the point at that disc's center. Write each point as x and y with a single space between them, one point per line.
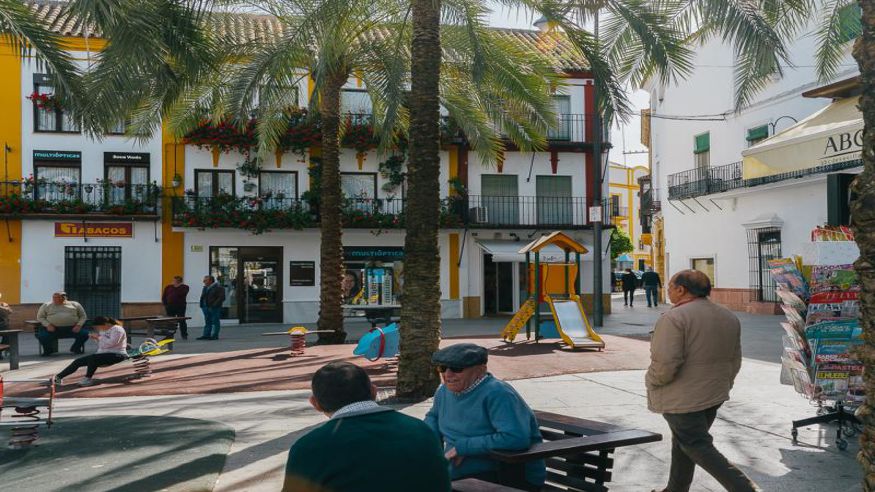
695 355
61 316
173 299
652 283
212 297
5 313
630 283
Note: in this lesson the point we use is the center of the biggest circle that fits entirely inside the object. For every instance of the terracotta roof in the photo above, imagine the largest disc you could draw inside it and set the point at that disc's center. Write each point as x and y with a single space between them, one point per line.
251 27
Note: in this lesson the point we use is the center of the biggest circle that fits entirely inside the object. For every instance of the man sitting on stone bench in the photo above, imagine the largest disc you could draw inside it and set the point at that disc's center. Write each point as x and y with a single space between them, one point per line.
474 414
61 318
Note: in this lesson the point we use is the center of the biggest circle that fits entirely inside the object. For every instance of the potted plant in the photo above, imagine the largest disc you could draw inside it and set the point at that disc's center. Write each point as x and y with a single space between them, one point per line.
249 186
176 181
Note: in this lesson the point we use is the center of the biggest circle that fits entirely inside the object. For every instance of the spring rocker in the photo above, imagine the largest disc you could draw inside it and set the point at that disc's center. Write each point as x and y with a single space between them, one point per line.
557 285
297 340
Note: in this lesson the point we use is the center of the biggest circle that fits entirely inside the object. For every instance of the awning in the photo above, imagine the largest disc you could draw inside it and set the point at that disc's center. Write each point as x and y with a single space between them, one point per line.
508 251
833 135
626 258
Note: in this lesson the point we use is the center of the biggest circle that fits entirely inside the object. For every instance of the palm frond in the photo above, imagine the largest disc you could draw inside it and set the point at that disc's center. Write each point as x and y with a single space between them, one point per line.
840 21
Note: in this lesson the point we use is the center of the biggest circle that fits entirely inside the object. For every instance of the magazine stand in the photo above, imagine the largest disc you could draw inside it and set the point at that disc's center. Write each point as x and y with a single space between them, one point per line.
821 301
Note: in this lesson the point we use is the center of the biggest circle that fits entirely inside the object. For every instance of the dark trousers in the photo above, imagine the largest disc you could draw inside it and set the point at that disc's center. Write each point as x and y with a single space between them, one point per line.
691 445
92 362
628 296
178 310
212 323
49 340
652 291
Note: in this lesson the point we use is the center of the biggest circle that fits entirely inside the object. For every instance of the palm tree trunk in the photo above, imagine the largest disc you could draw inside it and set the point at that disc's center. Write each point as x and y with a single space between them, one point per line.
330 224
421 306
863 222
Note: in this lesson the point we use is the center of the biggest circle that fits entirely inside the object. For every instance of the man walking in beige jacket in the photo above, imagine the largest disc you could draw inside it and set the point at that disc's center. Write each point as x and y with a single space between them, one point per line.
695 355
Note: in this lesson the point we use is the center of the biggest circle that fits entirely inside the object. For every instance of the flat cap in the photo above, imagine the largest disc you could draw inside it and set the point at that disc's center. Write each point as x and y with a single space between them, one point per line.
461 355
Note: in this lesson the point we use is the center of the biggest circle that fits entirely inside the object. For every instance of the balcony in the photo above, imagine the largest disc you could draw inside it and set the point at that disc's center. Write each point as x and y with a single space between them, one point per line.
571 129
705 181
30 199
264 213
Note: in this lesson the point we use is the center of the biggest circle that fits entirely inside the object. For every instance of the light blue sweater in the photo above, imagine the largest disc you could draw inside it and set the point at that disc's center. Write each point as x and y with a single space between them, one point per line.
491 417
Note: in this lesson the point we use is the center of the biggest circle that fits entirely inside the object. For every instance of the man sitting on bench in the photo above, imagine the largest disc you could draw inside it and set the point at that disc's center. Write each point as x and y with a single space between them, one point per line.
61 318
474 414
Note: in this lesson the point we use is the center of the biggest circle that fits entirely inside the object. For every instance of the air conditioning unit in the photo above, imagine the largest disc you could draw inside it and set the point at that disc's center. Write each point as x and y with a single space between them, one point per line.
478 215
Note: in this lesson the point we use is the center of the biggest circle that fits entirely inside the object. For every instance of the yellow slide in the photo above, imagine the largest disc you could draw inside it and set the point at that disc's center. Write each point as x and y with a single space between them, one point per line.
518 321
572 324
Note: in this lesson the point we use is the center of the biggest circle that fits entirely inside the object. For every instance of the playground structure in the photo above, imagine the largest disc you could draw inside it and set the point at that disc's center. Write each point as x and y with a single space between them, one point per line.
140 357
557 285
26 417
297 340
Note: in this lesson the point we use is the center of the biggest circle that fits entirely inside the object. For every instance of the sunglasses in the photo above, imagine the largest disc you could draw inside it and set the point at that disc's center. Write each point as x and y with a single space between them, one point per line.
443 369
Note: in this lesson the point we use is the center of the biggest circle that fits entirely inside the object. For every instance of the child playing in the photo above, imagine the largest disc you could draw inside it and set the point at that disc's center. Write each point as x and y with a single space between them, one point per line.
112 344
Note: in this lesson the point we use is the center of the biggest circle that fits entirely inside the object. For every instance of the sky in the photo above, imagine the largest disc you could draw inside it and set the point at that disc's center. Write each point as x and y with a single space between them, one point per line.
626 137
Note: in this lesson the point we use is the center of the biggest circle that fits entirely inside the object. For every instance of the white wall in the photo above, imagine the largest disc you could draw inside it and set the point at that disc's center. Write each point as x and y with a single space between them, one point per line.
708 95
42 261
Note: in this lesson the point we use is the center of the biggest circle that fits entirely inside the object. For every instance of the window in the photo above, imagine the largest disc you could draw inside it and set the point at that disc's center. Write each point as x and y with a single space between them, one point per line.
562 108
51 116
57 180
763 244
213 183
554 200
224 267
500 200
757 134
360 189
355 101
702 150
278 188
704 265
616 211
126 182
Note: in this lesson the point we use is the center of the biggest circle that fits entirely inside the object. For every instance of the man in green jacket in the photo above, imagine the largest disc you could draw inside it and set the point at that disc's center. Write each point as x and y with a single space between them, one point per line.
363 447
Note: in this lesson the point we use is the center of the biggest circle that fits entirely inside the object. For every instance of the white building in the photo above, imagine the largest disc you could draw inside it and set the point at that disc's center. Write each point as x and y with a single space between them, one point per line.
739 188
83 215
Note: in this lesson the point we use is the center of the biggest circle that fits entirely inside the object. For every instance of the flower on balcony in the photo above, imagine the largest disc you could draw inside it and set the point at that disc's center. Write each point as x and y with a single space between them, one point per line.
225 135
45 101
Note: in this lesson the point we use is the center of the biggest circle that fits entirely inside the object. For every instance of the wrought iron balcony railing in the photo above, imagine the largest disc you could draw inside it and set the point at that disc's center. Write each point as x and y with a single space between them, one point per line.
264 213
704 181
34 198
572 128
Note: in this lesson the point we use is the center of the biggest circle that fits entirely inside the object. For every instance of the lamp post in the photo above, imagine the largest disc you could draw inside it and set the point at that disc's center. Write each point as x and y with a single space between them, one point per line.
597 306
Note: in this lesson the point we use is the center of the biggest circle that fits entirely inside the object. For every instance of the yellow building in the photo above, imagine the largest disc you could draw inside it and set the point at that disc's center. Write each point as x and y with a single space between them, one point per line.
624 205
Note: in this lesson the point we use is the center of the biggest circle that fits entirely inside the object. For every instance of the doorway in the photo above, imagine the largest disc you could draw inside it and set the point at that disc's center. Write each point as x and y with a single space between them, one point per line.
252 279
504 286
93 278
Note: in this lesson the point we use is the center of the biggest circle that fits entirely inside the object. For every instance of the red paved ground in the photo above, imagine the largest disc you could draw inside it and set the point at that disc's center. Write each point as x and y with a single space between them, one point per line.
274 369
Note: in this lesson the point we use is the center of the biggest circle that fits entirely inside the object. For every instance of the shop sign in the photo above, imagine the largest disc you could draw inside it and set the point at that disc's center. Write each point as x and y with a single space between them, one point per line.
122 157
845 146
94 229
56 155
302 273
373 253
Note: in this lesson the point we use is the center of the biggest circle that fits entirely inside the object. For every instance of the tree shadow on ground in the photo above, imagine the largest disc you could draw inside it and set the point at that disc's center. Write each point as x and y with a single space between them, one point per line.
116 453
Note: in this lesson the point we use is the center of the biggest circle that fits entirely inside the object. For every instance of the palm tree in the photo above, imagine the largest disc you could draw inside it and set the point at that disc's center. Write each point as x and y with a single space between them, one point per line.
863 222
336 39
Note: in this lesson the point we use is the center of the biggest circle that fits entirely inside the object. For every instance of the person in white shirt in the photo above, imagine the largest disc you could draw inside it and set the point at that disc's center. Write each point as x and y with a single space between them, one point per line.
112 344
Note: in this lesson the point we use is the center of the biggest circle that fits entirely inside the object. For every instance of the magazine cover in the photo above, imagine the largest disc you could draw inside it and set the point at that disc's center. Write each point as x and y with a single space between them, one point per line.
834 278
786 272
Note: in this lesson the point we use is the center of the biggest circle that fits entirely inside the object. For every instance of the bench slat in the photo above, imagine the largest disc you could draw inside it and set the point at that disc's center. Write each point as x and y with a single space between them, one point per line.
11 402
576 445
578 470
575 483
23 423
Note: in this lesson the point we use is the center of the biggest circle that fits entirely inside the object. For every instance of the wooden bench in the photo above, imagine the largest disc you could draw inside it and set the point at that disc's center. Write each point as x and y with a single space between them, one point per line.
35 324
11 347
26 418
578 452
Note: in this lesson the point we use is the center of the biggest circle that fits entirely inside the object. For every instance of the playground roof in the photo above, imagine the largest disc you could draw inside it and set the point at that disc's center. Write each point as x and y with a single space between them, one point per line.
557 238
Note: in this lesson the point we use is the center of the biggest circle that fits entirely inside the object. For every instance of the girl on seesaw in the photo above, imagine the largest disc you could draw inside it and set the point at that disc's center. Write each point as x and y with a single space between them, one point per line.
112 344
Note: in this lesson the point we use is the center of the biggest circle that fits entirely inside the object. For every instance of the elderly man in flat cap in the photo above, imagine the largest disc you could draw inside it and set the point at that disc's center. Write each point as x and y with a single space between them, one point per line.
474 414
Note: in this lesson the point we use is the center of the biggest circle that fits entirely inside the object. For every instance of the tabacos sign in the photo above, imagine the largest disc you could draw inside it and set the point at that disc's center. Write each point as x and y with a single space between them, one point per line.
97 229
845 146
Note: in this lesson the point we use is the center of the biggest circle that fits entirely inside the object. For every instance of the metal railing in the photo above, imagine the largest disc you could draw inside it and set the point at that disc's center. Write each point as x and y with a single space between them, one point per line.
30 197
475 211
705 181
571 128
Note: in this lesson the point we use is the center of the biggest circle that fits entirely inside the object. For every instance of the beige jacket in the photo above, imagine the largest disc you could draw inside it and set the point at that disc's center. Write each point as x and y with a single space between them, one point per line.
69 313
695 355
